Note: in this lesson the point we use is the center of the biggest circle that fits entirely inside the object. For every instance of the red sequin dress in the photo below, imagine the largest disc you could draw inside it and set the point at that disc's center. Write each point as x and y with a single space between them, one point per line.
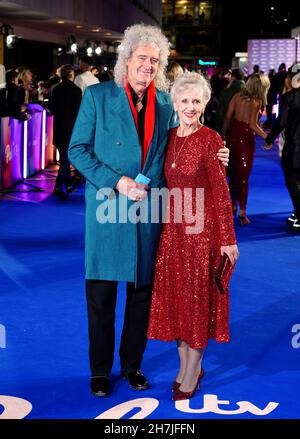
186 304
241 142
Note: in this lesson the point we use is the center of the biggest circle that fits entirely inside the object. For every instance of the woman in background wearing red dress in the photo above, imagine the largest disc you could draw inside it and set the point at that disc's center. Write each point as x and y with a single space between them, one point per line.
186 304
240 127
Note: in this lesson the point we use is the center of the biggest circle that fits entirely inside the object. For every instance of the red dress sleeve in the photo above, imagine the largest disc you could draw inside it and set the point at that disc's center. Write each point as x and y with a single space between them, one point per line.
219 189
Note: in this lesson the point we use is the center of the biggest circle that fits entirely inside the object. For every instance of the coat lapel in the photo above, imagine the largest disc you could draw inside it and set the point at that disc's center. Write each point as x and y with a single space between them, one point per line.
121 111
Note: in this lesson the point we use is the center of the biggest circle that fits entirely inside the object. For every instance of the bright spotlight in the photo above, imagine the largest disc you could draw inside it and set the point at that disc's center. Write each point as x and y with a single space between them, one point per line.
10 40
89 51
74 48
98 50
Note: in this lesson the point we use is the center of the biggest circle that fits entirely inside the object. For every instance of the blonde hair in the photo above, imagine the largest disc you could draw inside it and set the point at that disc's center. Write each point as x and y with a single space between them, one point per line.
196 80
173 71
143 35
257 87
22 72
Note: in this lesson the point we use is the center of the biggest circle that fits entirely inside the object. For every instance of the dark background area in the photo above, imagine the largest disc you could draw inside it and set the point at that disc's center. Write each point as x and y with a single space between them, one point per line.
38 56
239 21
254 19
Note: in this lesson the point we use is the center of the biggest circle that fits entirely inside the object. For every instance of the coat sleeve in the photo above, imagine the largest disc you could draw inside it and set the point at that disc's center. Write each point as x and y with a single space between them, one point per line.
81 148
280 122
219 188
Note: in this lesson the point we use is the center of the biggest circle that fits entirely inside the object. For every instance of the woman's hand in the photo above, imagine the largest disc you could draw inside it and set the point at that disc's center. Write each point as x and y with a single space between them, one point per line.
223 154
231 251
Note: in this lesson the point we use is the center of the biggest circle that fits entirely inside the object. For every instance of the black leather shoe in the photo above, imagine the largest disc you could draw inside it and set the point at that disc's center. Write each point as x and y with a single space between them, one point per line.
60 193
71 188
100 386
136 380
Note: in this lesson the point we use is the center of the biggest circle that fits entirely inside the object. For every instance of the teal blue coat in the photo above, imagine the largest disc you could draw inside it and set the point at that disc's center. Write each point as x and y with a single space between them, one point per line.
105 146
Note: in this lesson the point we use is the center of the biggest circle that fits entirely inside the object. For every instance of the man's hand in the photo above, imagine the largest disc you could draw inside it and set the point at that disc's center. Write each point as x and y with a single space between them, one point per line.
134 191
223 155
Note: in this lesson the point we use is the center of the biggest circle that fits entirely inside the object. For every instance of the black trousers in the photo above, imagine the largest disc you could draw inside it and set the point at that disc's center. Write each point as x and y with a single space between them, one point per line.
292 181
101 303
269 108
64 172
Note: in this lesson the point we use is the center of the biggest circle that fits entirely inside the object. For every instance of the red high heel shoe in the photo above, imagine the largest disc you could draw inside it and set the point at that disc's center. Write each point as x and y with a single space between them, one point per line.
179 395
175 386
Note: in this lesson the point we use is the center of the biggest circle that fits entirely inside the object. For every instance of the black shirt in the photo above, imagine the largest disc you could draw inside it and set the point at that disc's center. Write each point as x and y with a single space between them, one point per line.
141 113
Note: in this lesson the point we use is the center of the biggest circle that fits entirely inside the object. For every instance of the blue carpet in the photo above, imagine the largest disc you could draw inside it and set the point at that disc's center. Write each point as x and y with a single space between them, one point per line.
43 322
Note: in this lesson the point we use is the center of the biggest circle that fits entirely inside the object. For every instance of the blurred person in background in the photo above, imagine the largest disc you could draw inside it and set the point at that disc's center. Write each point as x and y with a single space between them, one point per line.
86 77
95 71
27 92
219 82
272 100
105 76
173 71
234 86
54 79
279 79
287 87
289 121
12 106
240 127
64 105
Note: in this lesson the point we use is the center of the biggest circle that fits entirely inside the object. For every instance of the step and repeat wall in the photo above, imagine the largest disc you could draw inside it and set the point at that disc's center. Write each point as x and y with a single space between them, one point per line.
26 147
269 53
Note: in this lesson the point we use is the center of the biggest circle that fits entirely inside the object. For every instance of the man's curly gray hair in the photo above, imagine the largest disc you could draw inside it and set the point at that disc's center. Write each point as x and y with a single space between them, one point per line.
196 80
143 35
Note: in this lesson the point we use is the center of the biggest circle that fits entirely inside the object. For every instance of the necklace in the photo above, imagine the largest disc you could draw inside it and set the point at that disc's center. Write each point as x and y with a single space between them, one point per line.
175 156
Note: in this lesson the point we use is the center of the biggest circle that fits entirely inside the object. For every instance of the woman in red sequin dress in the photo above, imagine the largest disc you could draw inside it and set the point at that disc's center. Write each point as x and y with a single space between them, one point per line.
186 304
240 127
